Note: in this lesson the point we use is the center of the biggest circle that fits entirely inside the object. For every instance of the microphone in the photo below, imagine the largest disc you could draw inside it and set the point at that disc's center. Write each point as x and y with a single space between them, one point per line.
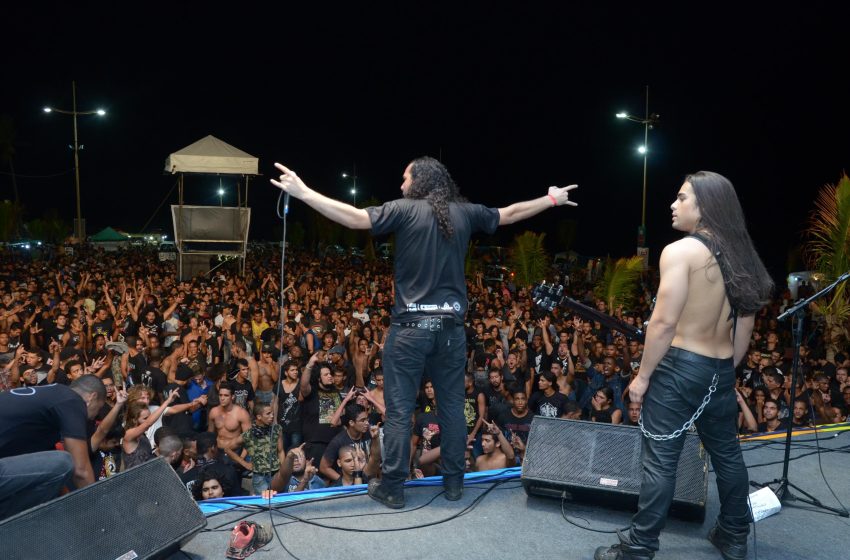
285 203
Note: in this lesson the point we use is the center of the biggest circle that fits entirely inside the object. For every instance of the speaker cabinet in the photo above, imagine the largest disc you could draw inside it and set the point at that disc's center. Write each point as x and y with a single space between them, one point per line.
601 463
145 512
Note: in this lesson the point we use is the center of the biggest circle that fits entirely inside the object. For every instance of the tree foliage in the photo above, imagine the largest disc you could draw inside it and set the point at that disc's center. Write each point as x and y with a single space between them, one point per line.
827 251
619 283
529 258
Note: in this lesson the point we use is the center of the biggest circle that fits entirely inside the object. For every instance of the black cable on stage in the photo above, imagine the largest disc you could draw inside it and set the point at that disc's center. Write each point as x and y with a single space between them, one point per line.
259 509
571 522
820 467
452 517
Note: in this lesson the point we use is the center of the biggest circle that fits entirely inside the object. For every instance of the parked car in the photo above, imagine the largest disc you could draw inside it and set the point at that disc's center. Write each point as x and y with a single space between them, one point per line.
167 251
496 273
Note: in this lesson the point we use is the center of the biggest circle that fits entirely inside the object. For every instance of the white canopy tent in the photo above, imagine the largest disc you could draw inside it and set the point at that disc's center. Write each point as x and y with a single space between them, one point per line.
211 155
229 234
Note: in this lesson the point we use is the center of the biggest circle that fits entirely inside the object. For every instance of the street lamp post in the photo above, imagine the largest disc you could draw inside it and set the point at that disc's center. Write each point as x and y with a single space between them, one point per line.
353 182
79 230
649 121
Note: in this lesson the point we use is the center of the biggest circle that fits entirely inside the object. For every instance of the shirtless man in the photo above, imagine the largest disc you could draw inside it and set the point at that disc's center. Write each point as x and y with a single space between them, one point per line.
497 450
360 351
227 420
690 347
377 394
268 373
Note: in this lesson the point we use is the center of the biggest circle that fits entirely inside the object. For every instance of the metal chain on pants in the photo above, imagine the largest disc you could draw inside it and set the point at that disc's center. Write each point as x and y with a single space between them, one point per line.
689 423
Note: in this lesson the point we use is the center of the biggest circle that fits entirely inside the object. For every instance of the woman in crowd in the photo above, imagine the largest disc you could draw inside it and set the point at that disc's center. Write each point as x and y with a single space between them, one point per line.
603 409
136 448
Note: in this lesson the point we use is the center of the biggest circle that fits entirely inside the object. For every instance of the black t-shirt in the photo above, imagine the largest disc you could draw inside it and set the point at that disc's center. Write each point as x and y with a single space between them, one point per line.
102 327
748 375
427 427
316 412
509 422
429 269
33 419
243 393
289 409
341 440
496 402
136 365
535 358
551 407
153 328
470 409
182 421
515 379
783 425
52 333
154 378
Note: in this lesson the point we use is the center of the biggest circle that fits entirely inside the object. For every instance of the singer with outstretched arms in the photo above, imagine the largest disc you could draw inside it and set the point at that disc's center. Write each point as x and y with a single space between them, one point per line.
432 224
712 283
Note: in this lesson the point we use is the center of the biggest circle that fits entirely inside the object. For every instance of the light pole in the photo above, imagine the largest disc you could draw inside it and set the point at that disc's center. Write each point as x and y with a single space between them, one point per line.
353 182
649 121
79 230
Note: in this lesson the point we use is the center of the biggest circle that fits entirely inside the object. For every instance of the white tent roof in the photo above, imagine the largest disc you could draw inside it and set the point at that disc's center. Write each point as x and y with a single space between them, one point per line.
211 155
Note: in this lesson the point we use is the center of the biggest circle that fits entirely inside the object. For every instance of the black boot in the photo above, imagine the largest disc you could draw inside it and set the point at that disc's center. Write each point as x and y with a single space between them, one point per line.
623 551
732 544
379 493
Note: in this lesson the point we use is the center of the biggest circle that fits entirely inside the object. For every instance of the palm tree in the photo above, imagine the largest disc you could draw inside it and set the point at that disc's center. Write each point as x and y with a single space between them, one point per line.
828 251
529 259
618 285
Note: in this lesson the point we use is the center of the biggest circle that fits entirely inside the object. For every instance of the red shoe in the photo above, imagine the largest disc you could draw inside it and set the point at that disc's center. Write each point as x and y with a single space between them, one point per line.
246 538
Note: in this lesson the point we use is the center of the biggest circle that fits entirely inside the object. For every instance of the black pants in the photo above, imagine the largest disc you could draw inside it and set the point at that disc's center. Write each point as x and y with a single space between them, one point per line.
676 390
408 355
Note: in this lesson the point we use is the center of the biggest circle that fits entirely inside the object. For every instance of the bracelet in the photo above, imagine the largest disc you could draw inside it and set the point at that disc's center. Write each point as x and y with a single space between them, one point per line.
554 202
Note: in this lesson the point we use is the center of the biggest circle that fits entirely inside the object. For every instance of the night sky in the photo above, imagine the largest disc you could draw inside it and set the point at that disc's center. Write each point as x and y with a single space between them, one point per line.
513 100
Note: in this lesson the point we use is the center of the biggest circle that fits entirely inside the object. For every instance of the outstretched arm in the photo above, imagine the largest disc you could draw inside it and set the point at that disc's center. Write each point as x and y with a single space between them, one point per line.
340 212
557 196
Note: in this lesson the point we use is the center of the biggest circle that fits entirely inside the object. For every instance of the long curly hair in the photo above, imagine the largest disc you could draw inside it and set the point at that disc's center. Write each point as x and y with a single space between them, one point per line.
431 181
748 283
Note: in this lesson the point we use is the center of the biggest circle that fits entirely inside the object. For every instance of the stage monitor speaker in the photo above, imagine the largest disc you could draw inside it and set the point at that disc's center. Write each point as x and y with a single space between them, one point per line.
591 461
144 512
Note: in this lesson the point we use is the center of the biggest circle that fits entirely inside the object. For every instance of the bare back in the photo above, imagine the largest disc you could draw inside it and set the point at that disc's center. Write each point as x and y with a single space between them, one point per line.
705 325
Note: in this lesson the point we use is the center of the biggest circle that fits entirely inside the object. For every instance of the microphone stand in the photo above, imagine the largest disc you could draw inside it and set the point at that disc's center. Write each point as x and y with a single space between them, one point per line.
784 485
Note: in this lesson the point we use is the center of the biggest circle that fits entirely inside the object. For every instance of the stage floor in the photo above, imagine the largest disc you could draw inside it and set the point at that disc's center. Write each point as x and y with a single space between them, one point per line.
498 520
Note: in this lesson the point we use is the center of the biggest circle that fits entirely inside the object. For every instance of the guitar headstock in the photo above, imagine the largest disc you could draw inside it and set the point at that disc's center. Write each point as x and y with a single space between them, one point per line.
547 296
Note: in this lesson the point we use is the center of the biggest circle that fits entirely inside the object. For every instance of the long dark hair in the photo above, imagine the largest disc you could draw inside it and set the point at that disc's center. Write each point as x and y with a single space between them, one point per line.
748 285
431 181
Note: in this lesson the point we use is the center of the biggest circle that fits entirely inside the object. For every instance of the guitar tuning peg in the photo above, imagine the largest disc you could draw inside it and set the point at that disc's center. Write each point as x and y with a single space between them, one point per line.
559 290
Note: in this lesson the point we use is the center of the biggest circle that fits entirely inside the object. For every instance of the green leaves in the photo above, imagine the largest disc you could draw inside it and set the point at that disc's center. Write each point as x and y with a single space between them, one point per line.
529 259
828 250
618 286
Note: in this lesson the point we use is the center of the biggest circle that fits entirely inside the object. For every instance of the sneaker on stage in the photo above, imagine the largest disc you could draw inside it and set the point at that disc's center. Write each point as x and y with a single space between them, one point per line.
246 538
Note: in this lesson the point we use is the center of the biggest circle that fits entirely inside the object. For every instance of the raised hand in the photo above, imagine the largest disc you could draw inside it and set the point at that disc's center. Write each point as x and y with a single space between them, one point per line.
289 182
562 195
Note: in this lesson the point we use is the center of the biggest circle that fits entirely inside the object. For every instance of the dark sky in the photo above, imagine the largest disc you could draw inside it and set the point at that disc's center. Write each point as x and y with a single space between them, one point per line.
513 100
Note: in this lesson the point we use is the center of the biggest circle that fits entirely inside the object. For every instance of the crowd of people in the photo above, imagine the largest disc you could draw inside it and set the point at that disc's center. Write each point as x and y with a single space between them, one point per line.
247 384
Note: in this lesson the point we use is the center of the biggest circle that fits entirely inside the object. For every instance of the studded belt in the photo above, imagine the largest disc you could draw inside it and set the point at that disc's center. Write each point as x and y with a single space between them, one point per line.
432 324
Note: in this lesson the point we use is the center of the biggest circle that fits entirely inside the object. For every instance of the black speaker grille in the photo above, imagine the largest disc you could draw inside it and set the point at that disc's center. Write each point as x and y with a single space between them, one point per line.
605 458
144 512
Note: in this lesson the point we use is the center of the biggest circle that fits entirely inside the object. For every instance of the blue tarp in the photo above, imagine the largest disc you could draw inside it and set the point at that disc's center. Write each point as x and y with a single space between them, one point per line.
209 507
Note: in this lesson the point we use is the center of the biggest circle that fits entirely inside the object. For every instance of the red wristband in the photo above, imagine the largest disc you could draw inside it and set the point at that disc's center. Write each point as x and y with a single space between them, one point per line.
554 202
